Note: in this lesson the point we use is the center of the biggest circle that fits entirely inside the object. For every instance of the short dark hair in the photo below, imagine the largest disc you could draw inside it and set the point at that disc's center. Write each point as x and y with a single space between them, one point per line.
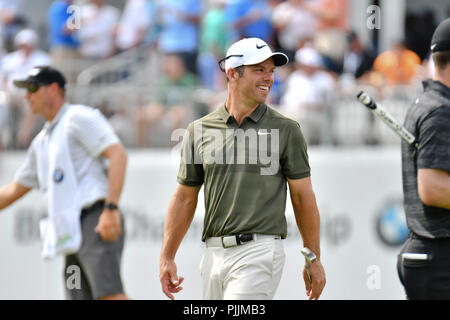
240 71
441 59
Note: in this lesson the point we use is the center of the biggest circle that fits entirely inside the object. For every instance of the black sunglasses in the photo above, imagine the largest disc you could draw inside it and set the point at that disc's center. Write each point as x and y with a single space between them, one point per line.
32 87
222 61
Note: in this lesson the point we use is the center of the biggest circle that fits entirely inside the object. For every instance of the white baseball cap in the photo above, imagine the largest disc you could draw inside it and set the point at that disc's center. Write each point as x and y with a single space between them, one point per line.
26 37
250 51
308 56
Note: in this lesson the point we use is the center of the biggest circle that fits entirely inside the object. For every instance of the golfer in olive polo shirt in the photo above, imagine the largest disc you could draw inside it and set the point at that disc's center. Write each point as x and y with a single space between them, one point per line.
244 154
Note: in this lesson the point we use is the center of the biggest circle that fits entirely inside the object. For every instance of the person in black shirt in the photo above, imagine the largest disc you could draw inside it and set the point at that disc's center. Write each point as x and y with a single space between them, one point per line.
358 60
424 261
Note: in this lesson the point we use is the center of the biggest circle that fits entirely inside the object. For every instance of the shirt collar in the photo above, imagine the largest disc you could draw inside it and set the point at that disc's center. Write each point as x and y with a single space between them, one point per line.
255 116
49 125
430 84
258 113
224 113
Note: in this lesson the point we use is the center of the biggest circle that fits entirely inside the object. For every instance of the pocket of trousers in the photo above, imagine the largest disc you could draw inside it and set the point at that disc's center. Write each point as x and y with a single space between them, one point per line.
415 260
200 265
279 256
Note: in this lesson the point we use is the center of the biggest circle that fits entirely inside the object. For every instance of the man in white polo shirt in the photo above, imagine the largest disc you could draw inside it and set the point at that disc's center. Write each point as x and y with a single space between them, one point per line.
66 161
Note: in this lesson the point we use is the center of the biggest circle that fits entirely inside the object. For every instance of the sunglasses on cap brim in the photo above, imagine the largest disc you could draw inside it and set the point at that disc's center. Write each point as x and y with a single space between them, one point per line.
222 61
32 87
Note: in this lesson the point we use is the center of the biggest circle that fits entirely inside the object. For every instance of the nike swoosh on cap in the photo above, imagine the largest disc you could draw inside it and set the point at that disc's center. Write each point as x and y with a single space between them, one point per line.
259 47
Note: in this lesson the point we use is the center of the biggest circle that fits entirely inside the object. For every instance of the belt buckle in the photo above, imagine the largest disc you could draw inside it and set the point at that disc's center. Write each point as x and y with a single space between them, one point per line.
228 244
243 238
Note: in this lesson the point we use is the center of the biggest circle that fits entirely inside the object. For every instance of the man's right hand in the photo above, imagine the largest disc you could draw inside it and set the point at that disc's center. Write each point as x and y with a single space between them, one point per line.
170 283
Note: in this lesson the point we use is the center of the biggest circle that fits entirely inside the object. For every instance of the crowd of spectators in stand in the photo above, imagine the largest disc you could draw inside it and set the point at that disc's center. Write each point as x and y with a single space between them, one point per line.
192 35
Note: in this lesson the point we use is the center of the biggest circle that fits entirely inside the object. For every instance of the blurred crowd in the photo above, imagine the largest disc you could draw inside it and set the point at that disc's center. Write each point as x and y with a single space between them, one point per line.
190 36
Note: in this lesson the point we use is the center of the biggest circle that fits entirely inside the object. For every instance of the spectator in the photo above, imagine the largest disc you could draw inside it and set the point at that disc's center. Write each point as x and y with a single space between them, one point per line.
294 23
26 56
180 23
11 21
62 37
173 99
397 65
249 19
357 59
331 40
154 27
213 44
133 25
308 91
99 21
16 65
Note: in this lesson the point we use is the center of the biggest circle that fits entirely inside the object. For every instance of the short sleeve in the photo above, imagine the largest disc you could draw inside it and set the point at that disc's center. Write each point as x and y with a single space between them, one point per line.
294 157
92 130
27 173
434 140
191 171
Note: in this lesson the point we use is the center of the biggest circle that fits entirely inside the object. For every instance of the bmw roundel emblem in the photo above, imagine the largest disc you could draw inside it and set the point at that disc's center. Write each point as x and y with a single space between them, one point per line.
58 175
391 224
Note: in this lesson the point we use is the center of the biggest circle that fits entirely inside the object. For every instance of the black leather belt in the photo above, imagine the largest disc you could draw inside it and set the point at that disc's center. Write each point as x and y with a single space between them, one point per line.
237 239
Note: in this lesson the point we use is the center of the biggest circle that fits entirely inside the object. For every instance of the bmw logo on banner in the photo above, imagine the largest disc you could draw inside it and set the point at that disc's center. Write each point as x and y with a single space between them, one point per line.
391 224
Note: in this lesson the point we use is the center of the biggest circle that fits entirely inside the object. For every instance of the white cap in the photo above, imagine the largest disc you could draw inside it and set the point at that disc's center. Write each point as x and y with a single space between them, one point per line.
308 56
250 51
26 37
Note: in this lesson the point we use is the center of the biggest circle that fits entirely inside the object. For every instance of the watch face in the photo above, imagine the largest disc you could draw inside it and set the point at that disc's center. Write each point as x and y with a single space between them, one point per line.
111 206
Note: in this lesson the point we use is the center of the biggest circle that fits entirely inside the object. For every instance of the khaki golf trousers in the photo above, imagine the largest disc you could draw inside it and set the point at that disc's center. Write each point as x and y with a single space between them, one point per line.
250 271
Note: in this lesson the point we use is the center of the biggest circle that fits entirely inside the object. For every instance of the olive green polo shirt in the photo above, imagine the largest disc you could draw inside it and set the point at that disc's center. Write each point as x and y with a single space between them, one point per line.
243 169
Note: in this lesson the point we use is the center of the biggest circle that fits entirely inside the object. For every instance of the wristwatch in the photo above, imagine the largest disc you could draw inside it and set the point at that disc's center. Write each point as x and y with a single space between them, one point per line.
310 257
111 206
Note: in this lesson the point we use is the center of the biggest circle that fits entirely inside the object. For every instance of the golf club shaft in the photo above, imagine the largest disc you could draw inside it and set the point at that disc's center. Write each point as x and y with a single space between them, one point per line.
366 100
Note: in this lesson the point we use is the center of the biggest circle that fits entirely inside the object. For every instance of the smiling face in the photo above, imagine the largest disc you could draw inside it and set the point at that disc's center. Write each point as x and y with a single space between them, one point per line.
254 85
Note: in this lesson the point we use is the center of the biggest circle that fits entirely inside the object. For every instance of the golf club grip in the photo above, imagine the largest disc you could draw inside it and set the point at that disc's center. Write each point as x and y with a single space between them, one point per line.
366 100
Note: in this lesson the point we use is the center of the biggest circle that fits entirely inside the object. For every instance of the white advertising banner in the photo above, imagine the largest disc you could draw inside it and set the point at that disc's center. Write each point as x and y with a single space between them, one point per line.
358 192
